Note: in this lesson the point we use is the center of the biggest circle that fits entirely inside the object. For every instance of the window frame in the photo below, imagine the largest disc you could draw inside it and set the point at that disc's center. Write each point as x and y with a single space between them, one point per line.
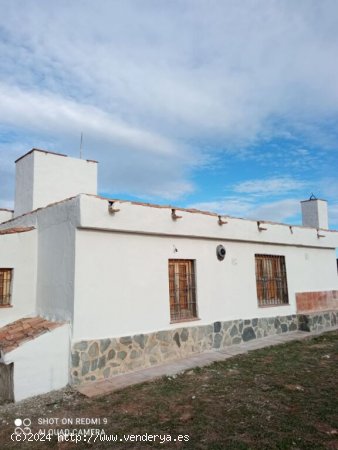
271 280
6 286
189 300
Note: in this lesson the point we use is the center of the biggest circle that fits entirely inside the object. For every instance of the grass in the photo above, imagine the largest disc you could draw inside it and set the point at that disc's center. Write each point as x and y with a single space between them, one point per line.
283 397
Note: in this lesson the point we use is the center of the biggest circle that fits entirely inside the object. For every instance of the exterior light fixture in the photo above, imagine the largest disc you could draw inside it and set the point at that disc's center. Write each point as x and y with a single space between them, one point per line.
220 252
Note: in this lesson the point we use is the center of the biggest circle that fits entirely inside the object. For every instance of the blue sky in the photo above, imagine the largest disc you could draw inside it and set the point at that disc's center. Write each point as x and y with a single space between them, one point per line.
221 105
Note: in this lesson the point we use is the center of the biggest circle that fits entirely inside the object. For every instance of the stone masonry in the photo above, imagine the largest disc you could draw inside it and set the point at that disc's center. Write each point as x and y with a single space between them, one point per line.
102 358
318 321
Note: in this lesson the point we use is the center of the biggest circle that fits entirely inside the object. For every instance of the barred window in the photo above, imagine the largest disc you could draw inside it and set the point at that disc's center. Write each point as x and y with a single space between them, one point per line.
5 287
182 289
272 287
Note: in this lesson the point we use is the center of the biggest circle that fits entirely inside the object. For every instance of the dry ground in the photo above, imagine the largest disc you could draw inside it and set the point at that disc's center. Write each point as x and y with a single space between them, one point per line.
283 397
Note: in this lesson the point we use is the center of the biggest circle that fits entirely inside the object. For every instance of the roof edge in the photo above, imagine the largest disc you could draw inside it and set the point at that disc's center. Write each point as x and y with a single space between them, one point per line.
13 219
51 153
313 200
41 151
207 213
15 230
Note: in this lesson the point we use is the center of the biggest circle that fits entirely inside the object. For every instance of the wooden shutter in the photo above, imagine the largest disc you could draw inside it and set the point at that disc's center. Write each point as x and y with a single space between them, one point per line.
271 280
183 271
182 289
172 292
5 286
259 280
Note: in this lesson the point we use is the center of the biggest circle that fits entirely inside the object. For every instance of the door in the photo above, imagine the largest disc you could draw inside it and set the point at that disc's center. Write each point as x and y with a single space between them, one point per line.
6 383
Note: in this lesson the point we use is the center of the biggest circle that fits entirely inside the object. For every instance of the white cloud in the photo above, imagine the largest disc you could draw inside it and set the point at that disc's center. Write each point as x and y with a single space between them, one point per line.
286 210
270 186
278 211
270 199
132 159
151 84
328 187
228 206
186 67
50 114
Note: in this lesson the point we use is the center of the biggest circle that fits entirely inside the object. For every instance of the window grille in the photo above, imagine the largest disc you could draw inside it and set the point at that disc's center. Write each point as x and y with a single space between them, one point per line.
272 288
182 290
5 286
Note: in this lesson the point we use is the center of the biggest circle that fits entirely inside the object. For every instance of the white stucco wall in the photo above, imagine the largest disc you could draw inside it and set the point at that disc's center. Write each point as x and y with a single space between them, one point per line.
121 274
56 255
5 214
41 365
43 178
157 220
56 260
122 288
24 189
18 251
110 271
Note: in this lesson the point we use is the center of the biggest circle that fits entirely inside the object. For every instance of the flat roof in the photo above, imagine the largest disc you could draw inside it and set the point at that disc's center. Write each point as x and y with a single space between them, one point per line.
154 205
313 200
198 211
50 153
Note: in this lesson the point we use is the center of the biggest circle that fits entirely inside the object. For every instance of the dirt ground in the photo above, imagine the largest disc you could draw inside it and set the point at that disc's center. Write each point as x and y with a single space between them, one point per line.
283 397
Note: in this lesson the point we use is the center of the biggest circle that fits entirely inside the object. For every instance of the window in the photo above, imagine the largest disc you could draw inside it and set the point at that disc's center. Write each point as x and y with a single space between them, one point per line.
182 290
5 287
272 288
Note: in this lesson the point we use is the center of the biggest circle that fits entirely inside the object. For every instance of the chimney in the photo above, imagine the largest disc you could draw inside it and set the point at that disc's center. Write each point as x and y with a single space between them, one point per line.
44 177
314 213
5 214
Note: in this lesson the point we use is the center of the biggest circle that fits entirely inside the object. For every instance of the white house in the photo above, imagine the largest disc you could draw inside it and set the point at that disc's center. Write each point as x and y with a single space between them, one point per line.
91 287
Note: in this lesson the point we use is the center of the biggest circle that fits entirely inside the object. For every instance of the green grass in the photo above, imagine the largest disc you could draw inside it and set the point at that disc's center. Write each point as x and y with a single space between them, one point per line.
283 397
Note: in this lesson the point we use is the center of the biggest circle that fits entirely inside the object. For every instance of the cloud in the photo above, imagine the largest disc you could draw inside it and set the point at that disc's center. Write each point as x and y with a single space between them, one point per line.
235 207
268 187
187 68
260 199
9 152
50 114
276 199
328 187
278 211
284 211
152 164
161 90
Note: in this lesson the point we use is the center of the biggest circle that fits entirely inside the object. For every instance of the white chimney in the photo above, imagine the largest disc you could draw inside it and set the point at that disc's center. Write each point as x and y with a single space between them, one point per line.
314 213
44 177
5 214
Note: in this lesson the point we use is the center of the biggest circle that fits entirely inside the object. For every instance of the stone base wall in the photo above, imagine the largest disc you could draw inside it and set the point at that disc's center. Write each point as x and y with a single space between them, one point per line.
318 321
102 358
